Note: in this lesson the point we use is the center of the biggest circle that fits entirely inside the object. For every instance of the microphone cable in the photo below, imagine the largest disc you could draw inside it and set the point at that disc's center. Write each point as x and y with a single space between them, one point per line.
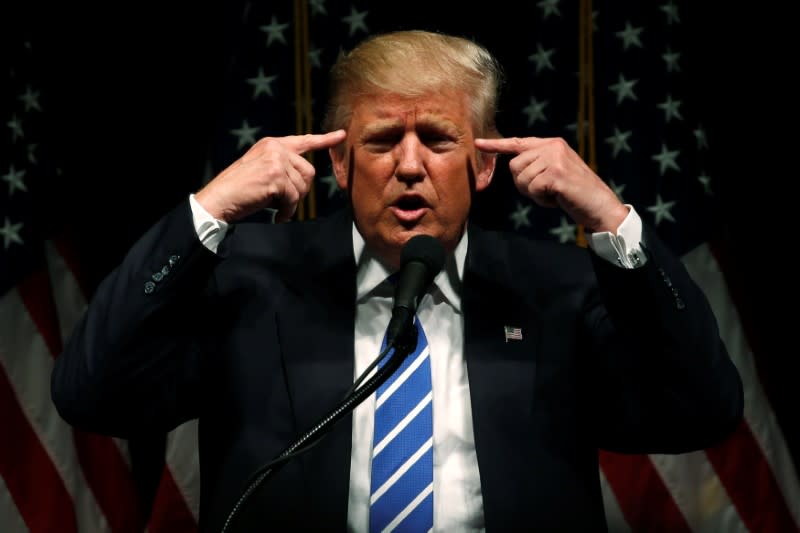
404 345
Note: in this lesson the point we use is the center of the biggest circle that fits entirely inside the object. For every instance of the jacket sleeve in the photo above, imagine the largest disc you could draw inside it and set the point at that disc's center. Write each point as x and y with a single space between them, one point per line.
660 371
133 361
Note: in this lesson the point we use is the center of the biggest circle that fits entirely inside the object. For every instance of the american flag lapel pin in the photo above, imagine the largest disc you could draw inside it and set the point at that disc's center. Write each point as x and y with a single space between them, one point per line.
512 333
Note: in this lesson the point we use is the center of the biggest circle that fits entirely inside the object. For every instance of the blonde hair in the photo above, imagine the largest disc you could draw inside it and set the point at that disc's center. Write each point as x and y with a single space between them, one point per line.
414 63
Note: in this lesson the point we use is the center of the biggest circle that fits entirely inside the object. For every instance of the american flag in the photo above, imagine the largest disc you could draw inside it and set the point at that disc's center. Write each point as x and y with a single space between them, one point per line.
653 144
52 477
512 333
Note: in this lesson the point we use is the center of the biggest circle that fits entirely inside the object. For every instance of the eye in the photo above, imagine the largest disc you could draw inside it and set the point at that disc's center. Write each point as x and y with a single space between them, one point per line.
437 140
382 141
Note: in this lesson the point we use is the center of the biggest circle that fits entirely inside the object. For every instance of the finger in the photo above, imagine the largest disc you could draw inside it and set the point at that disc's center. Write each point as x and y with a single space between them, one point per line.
536 185
297 182
301 144
522 161
303 166
287 202
510 145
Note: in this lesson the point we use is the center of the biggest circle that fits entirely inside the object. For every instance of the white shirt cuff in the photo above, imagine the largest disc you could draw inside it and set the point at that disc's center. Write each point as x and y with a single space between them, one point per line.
209 230
625 248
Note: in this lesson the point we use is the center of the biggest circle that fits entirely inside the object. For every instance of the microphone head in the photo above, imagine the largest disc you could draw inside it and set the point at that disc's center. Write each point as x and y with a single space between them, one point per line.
426 250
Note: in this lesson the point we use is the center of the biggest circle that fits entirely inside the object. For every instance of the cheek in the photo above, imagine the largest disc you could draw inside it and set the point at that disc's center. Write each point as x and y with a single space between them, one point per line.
373 170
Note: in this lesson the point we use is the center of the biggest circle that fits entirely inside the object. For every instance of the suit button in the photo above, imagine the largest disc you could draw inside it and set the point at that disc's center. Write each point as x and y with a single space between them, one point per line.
679 303
165 270
173 259
157 276
149 287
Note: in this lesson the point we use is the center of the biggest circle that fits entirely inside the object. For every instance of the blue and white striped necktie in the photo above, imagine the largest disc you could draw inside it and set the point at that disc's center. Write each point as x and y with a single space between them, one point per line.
401 491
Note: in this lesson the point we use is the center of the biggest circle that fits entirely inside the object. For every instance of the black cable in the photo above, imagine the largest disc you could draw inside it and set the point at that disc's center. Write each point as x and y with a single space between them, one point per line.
366 372
404 346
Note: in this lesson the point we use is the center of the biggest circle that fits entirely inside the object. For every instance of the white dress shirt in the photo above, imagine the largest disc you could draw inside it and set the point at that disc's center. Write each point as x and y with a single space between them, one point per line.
457 500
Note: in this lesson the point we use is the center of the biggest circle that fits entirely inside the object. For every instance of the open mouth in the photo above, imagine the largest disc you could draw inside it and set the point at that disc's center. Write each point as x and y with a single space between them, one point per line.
409 209
410 203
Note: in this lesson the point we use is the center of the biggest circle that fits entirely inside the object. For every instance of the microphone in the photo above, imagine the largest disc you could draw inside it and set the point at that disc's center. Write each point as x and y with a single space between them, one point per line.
421 260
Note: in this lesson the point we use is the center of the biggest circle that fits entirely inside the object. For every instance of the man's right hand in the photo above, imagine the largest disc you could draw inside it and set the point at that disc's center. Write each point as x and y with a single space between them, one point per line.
272 173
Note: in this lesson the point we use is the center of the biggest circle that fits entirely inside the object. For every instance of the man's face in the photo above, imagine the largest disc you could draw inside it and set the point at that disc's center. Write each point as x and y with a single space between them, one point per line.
411 161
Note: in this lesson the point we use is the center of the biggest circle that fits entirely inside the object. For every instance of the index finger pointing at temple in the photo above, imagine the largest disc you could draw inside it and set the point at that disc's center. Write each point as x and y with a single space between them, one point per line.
314 141
510 145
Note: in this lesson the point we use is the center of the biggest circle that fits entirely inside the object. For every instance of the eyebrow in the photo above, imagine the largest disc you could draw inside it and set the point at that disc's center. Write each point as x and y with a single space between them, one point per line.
425 122
382 126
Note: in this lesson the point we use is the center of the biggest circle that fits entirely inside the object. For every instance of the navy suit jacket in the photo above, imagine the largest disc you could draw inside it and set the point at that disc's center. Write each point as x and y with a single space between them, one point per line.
258 343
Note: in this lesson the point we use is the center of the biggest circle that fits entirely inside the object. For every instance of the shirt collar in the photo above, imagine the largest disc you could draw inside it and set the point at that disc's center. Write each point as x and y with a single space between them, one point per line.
372 273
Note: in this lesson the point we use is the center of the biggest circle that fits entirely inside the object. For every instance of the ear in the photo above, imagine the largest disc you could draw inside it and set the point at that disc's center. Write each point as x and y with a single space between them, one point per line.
339 161
483 178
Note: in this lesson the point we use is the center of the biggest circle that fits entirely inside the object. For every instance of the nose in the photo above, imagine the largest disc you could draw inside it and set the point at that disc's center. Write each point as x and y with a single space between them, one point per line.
410 164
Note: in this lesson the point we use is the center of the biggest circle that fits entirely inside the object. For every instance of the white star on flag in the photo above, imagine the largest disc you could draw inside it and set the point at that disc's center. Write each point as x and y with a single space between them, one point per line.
700 134
317 7
535 111
16 128
671 11
706 182
666 159
262 84
520 216
624 89
619 141
246 135
671 59
630 36
10 233
330 181
617 189
314 57
274 31
31 99
542 58
671 108
548 7
32 153
14 179
565 231
572 127
661 209
356 21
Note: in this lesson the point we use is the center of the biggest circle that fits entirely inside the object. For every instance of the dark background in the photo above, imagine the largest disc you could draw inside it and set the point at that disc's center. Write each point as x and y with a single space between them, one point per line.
127 89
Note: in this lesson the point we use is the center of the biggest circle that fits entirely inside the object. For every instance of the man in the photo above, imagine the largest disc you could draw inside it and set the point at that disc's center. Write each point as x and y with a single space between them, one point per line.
538 354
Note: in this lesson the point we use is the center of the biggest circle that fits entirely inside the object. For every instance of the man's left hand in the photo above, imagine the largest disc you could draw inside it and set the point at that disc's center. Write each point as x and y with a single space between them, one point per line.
551 173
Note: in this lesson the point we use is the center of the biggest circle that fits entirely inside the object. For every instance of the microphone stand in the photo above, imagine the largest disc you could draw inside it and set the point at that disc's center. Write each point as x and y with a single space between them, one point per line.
405 344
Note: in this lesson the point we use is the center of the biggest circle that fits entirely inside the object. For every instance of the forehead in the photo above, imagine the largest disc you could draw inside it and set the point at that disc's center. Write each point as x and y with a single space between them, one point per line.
447 107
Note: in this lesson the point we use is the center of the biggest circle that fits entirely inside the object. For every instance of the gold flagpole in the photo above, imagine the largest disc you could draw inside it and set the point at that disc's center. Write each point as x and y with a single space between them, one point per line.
586 135
307 208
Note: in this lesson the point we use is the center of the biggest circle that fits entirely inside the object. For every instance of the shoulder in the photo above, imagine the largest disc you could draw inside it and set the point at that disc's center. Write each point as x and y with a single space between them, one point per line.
516 252
292 253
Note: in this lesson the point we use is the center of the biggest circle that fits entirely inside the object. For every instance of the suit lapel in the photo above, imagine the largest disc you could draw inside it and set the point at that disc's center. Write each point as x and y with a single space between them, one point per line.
316 330
501 373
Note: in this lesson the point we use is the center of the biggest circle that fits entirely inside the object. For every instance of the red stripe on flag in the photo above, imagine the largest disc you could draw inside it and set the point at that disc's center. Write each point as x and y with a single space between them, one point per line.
169 494
103 467
170 512
750 483
37 295
33 481
111 481
634 479
71 259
